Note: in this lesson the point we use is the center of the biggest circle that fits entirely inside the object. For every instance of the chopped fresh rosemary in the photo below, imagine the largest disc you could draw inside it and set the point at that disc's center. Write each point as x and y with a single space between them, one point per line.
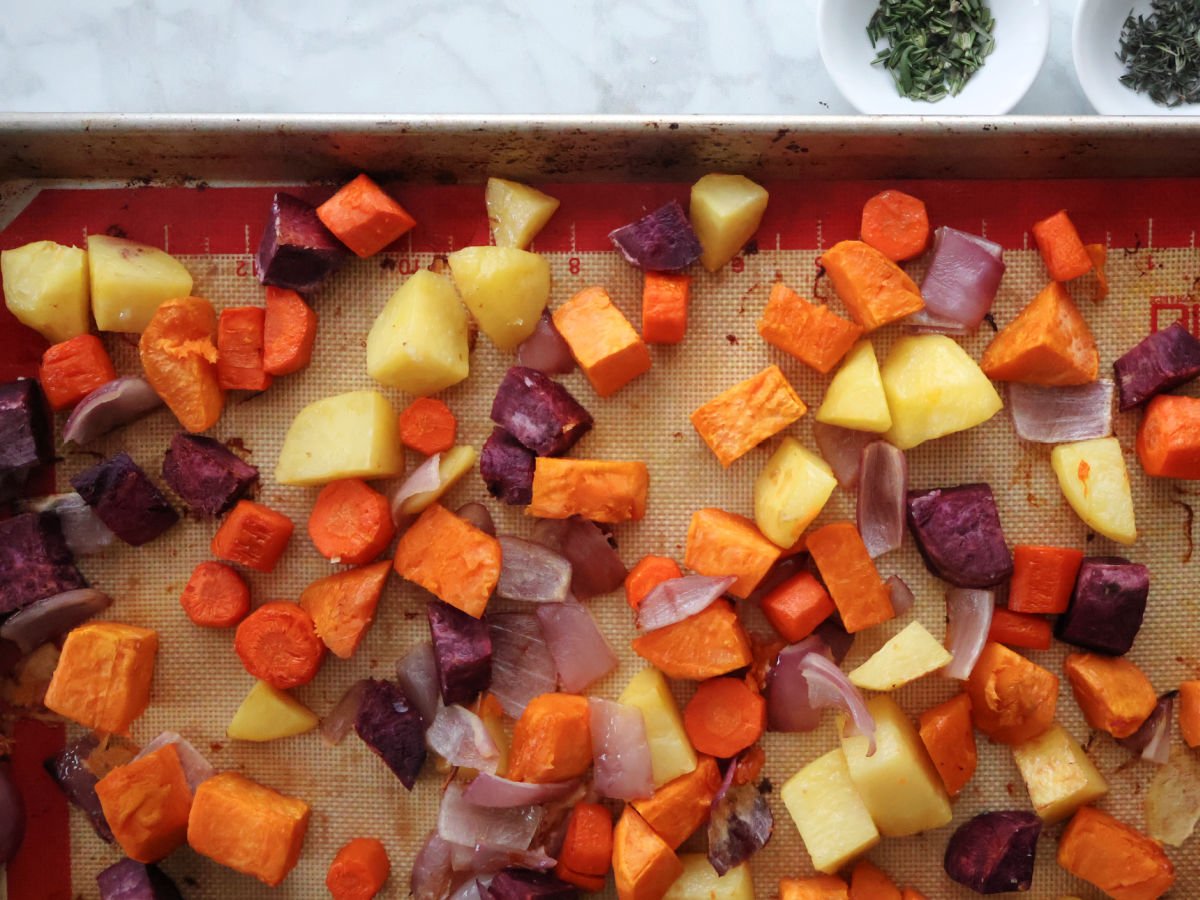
933 46
1161 52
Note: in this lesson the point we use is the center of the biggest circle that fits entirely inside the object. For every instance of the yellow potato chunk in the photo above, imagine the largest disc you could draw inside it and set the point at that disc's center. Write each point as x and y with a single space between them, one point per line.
933 389
46 288
899 783
790 492
671 753
350 435
855 398
130 280
1094 480
418 342
453 465
504 288
268 714
829 813
725 211
516 212
700 881
1058 774
906 657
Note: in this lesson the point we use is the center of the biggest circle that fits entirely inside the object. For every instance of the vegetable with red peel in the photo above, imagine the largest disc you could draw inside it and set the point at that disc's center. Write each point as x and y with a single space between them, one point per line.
391 726
1056 415
462 649
208 476
417 673
506 466
1159 362
297 251
969 615
595 566
662 241
125 499
677 598
337 724
532 572
902 595
491 790
522 667
620 750
1107 605
48 618
196 769
1152 741
35 561
739 825
26 441
431 875
12 817
581 654
70 771
539 412
882 483
522 884
959 535
960 284
803 681
424 478
842 448
132 880
110 406
461 822
545 349
460 737
477 514
994 852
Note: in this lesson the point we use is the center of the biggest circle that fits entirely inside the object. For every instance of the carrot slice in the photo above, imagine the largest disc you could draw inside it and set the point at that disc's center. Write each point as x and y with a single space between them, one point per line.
896 224
1043 578
253 535
428 426
351 522
724 717
359 871
278 644
73 369
215 596
289 332
240 341
797 606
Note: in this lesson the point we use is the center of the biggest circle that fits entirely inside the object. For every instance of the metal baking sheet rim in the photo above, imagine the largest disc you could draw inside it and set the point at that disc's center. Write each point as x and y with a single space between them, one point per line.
187 148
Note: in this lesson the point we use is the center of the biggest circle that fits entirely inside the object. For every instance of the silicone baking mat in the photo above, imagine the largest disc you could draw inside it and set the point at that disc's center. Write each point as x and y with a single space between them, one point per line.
1153 265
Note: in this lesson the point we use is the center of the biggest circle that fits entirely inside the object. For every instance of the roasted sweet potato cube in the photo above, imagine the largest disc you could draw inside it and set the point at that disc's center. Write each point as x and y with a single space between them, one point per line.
146 804
742 417
103 676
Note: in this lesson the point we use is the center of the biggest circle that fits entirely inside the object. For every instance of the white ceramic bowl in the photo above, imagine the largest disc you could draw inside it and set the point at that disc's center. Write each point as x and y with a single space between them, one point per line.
1022 37
1094 44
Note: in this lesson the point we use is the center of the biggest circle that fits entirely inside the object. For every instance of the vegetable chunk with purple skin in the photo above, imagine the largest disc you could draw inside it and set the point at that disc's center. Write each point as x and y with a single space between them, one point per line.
662 241
1159 362
126 500
539 412
25 438
297 251
392 727
959 535
994 852
35 561
132 880
207 475
462 650
507 468
1107 605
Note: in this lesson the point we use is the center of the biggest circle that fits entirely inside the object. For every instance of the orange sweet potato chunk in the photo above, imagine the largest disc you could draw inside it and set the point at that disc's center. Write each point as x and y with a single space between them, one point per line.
552 740
705 645
1012 698
875 290
179 355
1048 343
1113 693
720 543
742 417
644 867
815 335
450 558
103 676
146 804
681 805
1120 861
603 342
600 490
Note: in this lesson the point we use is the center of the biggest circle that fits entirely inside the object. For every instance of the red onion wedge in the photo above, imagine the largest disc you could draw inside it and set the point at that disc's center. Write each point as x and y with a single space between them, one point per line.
1056 415
477 514
460 737
336 725
485 859
46 619
424 478
803 681
491 790
82 529
522 667
70 771
678 598
431 876
960 284
119 402
620 750
595 566
882 488
196 769
970 616
12 817
828 686
581 654
462 822
902 595
739 826
836 638
1153 739
532 572
546 350
842 448
417 673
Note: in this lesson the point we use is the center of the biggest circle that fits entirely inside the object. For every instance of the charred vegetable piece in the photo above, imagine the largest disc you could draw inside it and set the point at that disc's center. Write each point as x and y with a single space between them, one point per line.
25 438
739 826
1107 605
207 475
539 412
523 884
125 499
959 535
507 468
462 649
1161 361
70 772
393 728
662 241
131 880
297 251
994 852
35 561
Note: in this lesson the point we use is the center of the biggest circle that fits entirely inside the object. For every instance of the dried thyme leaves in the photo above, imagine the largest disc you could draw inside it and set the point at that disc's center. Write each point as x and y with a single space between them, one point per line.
1161 52
933 46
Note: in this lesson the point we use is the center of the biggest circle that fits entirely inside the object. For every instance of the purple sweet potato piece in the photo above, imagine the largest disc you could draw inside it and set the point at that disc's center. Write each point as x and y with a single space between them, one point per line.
524 884
539 412
739 826
662 241
959 535
35 561
71 773
125 499
462 649
1107 605
1161 361
507 468
994 852
393 728
208 477
132 880
297 251
25 435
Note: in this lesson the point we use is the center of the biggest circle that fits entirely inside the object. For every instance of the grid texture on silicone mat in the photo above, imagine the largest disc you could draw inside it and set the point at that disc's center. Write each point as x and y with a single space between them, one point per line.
199 681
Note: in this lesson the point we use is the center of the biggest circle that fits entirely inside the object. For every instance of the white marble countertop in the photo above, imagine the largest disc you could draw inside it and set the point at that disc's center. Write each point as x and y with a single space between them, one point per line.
666 57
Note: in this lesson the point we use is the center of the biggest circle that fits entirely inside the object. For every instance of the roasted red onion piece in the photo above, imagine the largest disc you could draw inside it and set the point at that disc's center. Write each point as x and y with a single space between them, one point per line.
595 566
532 572
431 876
12 817
461 822
842 448
1173 799
70 772
424 478
970 616
620 750
678 598
337 724
477 514
485 859
1153 739
902 595
119 402
836 638
550 533
522 667
196 768
45 619
491 790
581 654
460 737
546 350
417 673
960 284
739 825
803 681
521 884
82 529
882 486
828 687
1056 415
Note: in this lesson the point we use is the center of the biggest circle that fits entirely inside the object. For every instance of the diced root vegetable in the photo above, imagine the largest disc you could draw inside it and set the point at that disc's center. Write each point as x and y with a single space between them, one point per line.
1095 482
297 251
393 729
516 212
129 281
743 416
507 467
26 441
505 288
1157 363
994 852
350 435
1107 605
46 288
725 211
35 561
662 241
462 650
539 412
418 342
208 476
